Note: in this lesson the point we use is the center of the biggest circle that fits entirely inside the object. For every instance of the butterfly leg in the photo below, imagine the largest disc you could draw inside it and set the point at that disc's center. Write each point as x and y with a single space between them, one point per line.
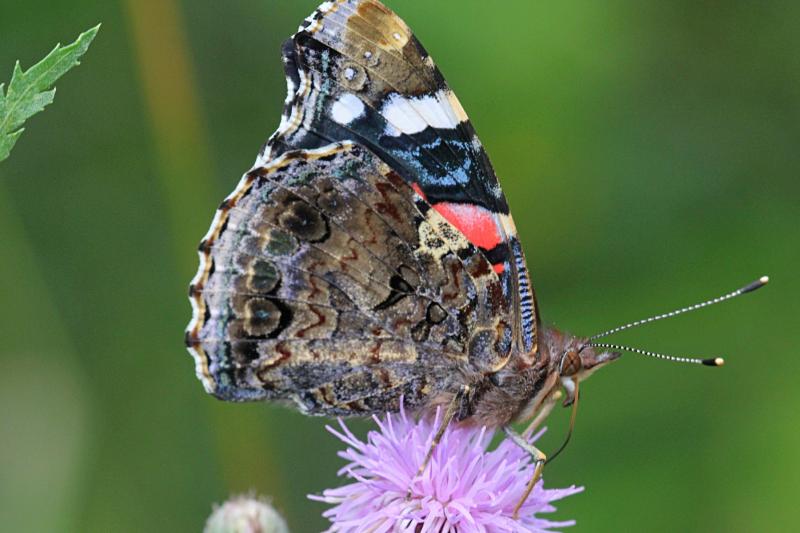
539 460
455 405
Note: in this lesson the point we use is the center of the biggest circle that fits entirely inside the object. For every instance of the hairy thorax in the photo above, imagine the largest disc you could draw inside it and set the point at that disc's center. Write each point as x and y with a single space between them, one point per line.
517 391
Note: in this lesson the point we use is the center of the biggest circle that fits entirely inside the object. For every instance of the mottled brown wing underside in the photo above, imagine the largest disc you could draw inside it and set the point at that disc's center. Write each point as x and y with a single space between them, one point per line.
326 281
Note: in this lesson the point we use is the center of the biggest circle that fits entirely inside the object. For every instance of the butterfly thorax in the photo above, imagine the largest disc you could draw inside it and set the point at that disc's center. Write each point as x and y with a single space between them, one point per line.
521 388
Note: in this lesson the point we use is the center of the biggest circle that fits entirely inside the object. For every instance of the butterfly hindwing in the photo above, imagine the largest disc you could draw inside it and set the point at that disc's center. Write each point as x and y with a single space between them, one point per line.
328 281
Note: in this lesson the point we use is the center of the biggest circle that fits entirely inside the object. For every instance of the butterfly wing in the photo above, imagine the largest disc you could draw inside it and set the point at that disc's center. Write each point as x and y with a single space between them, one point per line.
355 71
326 280
369 254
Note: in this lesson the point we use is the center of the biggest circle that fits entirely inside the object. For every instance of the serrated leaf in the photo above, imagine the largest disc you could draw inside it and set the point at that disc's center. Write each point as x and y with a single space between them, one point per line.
31 90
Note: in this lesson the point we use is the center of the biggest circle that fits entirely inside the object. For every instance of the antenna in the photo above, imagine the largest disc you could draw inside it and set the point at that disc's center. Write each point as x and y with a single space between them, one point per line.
757 284
713 361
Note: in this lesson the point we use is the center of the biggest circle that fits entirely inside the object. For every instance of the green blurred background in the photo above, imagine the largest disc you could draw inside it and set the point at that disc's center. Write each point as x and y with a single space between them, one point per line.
649 151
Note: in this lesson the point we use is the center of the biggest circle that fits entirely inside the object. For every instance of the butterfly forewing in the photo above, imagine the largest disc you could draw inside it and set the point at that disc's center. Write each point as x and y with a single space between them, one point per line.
356 71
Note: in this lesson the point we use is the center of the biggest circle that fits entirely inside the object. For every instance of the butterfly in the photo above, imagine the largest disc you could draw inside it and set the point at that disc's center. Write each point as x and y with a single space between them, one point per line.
369 257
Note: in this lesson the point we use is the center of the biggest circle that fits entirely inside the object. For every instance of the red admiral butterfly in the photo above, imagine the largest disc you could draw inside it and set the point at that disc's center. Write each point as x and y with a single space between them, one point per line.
369 256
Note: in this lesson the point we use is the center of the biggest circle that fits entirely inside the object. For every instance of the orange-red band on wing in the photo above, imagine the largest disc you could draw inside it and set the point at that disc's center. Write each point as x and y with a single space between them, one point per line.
477 223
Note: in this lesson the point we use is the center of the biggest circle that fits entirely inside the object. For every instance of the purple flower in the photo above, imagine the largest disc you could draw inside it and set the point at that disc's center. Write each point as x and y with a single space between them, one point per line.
465 487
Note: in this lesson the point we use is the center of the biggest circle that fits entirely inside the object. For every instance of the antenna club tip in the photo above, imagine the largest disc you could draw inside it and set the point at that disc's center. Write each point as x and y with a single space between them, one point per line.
757 284
714 361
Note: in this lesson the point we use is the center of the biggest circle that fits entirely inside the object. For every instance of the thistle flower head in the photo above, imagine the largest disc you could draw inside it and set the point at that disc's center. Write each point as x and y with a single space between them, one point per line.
465 488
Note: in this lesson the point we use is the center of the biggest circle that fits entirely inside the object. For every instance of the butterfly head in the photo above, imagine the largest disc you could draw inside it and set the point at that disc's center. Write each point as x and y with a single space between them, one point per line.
582 360
574 357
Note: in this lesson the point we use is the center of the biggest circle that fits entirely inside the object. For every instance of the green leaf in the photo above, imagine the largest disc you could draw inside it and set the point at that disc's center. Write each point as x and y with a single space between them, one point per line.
30 91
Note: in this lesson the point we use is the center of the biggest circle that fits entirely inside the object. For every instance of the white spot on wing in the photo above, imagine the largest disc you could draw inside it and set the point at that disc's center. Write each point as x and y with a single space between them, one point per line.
412 115
347 109
399 113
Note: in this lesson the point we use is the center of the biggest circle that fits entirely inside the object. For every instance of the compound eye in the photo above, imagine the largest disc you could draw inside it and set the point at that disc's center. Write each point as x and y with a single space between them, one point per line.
570 363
